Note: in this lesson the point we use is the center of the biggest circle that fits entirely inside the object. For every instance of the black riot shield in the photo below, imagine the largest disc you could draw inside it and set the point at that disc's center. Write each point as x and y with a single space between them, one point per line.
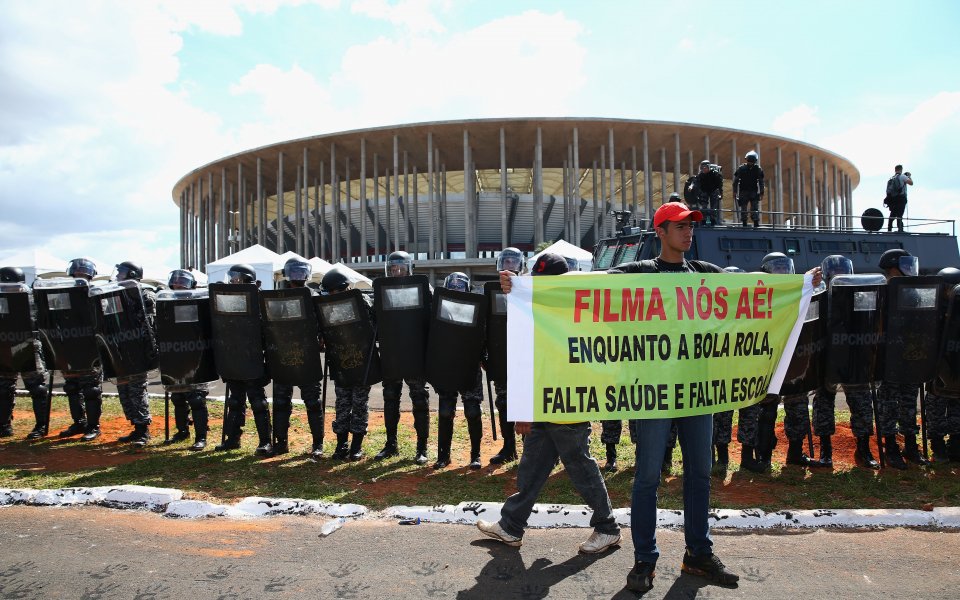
948 366
402 305
455 346
855 329
237 337
185 337
349 338
496 338
66 323
126 341
913 325
291 336
805 373
17 329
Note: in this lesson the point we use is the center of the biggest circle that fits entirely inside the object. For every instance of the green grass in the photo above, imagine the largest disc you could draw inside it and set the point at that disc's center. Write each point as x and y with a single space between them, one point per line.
228 476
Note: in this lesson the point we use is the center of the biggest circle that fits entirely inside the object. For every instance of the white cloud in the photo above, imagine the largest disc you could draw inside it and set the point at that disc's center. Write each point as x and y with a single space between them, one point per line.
795 122
414 15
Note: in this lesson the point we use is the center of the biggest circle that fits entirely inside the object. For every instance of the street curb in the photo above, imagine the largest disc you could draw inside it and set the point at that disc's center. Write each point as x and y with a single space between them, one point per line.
170 503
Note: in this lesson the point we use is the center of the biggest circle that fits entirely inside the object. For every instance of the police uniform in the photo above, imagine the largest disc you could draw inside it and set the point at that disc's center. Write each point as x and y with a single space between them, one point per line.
190 400
35 382
133 389
943 419
473 414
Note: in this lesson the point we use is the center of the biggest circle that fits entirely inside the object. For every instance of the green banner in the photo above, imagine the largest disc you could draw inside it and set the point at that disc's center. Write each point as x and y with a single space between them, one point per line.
596 346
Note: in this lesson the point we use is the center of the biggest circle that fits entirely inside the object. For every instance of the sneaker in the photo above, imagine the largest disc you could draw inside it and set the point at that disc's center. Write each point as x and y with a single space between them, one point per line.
600 542
492 529
640 577
709 566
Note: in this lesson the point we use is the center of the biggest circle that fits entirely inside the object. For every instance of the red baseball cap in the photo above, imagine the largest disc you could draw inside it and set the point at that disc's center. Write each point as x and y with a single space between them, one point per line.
675 211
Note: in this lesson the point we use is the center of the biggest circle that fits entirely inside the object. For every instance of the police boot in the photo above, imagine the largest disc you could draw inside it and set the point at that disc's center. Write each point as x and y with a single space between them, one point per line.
356 446
953 447
475 428
200 428
391 418
265 447
141 435
826 453
911 452
125 439
6 430
40 410
181 417
444 440
94 409
281 427
315 420
611 466
423 433
891 451
340 453
862 455
232 429
722 459
744 222
756 224
509 450
390 448
939 446
795 455
749 459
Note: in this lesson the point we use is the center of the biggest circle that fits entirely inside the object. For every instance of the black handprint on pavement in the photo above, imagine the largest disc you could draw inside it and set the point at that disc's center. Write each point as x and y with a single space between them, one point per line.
278 584
427 569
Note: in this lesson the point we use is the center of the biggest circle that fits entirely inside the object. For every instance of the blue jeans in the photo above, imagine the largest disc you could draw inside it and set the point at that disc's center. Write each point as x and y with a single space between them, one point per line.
541 447
695 435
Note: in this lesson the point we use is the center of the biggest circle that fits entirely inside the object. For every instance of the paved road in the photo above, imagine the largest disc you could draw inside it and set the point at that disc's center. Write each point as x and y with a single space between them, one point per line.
93 553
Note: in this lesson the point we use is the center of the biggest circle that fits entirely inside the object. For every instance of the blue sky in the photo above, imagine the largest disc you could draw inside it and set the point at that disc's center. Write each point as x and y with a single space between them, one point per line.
107 104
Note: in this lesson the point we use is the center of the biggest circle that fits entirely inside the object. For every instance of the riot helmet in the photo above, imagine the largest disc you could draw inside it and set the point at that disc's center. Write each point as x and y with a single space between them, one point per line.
675 197
950 275
181 279
399 264
296 269
733 269
836 264
704 165
12 275
334 281
83 268
900 259
572 263
241 273
129 270
752 156
777 263
457 281
511 259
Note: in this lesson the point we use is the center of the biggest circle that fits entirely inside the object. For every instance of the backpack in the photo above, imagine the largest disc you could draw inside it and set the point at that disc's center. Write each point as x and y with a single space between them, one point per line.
894 187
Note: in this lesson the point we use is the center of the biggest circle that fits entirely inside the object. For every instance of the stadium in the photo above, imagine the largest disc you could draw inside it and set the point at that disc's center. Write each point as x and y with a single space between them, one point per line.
454 193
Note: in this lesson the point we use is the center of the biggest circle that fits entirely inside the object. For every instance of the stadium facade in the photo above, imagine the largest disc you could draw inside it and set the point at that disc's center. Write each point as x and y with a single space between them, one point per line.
356 196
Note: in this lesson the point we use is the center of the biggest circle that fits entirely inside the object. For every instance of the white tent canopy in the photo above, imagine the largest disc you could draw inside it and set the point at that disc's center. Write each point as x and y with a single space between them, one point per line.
34 262
568 250
264 261
322 267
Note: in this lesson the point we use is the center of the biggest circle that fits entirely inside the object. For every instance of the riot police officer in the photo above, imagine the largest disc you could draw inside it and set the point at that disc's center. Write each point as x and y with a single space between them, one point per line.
748 188
898 401
239 391
83 388
943 392
133 389
709 188
510 259
400 264
34 379
297 272
188 399
448 401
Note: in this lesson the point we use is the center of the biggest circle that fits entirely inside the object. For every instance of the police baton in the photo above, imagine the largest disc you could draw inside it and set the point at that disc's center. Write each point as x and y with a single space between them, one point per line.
166 416
493 419
323 399
373 346
50 402
923 420
223 426
876 420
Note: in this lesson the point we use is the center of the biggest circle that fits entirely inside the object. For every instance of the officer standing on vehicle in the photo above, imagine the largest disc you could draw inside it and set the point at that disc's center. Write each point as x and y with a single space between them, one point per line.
34 379
239 391
709 188
297 273
898 401
188 398
400 264
133 390
83 388
448 401
748 188
510 259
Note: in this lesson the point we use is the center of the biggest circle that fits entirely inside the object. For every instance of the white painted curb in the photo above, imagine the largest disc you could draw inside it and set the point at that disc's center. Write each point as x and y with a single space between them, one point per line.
170 503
